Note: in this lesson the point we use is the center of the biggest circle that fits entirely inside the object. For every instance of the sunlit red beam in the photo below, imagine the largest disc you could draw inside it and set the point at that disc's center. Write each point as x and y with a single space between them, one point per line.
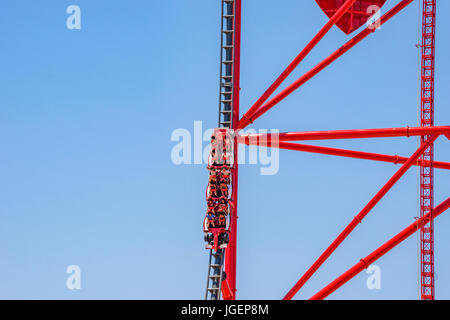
226 292
249 117
334 19
231 251
347 134
350 154
358 219
386 247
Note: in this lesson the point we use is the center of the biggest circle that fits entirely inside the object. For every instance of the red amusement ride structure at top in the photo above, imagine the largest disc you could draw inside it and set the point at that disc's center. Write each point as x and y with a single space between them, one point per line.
222 194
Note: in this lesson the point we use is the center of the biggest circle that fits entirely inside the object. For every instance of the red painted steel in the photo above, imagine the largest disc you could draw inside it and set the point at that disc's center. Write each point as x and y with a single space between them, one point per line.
350 153
358 219
358 14
348 134
338 14
226 291
250 117
348 21
386 247
231 251
427 291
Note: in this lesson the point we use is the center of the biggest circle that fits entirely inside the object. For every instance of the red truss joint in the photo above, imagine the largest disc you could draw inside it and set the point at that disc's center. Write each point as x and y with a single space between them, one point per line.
355 17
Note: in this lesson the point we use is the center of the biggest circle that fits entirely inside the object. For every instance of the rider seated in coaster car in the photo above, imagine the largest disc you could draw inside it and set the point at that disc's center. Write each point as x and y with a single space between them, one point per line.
214 158
213 191
211 217
225 179
225 171
213 179
211 203
223 205
222 221
226 159
213 170
223 208
213 141
224 189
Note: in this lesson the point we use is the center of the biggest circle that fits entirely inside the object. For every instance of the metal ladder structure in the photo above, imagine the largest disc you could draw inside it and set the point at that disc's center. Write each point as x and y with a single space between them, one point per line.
427 172
215 275
227 64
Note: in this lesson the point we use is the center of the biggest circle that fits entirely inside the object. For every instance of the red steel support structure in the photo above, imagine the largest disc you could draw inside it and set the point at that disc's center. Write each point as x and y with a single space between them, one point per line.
348 15
358 219
254 113
364 263
230 256
427 291
230 260
221 280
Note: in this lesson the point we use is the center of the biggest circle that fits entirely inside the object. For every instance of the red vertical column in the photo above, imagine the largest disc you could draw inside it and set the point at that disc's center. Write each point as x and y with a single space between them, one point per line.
427 172
230 259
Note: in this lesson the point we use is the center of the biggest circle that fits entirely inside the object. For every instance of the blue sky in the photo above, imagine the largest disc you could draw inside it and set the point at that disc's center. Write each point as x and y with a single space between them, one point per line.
87 179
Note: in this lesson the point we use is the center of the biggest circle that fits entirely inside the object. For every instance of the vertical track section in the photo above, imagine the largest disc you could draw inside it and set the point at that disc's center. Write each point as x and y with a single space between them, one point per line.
215 275
227 119
427 290
231 256
227 65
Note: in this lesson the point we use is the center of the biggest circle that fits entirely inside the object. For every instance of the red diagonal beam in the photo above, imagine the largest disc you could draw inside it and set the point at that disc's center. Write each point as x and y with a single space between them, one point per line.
358 219
347 134
350 153
385 248
249 117
319 36
226 292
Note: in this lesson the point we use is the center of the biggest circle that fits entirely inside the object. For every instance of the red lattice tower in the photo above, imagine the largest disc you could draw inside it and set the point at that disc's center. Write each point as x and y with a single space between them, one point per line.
427 172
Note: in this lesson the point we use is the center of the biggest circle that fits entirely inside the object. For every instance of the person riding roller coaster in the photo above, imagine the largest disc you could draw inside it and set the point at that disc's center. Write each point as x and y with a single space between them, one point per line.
211 217
222 221
223 201
214 158
225 180
213 191
224 209
219 181
225 172
211 203
213 179
224 190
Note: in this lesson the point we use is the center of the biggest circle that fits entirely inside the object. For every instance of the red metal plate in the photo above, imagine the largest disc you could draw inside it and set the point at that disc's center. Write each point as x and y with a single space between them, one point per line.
355 17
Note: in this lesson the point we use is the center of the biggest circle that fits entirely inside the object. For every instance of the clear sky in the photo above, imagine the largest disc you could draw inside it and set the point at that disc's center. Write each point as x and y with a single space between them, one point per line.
86 173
